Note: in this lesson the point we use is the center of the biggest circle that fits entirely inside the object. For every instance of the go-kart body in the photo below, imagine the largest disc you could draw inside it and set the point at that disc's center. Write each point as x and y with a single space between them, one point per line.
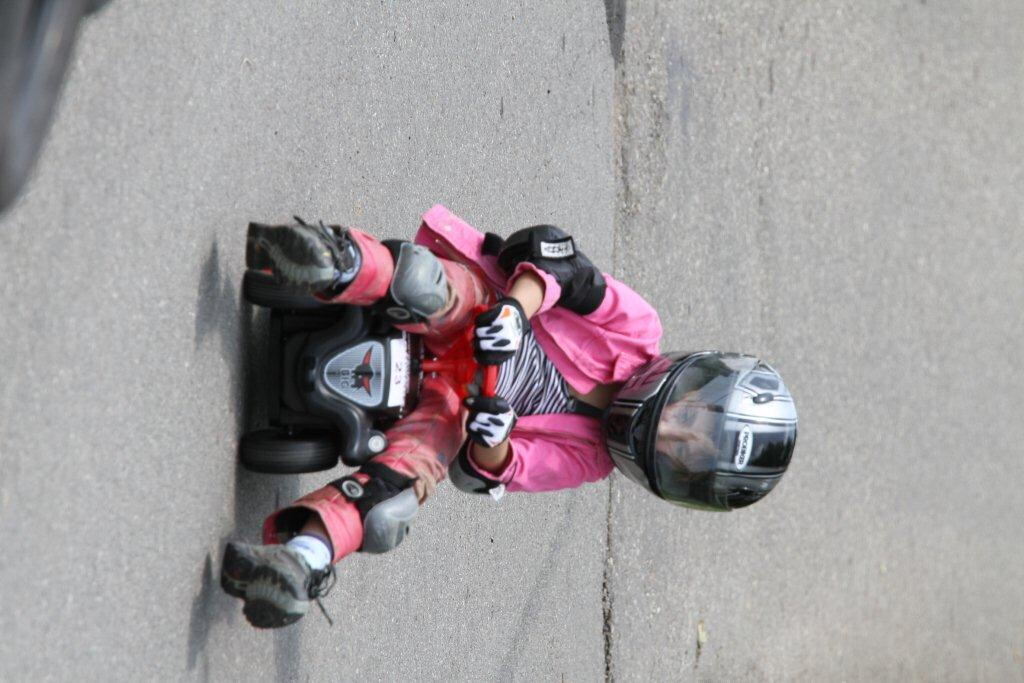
337 377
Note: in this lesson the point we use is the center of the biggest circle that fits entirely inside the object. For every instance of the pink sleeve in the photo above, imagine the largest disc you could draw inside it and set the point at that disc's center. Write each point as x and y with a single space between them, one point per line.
630 331
552 290
543 464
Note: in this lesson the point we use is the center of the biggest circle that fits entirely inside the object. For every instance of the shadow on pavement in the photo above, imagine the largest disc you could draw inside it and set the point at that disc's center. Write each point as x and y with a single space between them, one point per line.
240 331
615 14
208 607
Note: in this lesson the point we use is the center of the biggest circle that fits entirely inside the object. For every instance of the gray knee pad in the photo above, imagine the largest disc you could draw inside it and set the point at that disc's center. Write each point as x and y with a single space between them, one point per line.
387 522
387 504
418 288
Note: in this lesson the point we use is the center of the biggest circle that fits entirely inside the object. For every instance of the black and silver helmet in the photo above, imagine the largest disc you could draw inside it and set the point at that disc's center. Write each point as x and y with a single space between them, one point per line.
708 430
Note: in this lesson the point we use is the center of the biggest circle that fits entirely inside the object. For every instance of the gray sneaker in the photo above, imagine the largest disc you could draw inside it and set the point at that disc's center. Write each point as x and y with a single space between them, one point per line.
275 582
315 258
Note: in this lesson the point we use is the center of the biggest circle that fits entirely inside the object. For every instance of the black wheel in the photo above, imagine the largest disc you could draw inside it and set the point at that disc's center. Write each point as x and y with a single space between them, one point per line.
261 289
274 451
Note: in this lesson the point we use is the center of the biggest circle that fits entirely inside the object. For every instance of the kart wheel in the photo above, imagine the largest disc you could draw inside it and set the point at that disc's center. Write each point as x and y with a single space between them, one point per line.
274 451
262 289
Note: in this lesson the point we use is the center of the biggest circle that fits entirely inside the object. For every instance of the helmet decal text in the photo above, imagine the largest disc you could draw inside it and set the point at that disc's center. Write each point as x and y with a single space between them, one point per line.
744 447
558 249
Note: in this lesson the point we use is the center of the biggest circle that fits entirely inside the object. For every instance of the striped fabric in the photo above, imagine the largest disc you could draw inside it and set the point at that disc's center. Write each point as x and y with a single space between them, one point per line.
530 382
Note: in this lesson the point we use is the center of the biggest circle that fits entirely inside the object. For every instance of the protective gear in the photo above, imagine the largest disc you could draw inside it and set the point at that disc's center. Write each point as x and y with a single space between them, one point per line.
708 430
490 419
387 524
468 480
386 502
419 288
499 332
552 250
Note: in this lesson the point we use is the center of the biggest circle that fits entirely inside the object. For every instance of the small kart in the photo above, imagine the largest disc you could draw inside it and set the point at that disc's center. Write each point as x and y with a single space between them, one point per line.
337 377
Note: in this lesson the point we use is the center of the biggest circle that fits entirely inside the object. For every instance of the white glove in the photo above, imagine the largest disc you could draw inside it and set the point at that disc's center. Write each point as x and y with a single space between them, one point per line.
499 332
490 420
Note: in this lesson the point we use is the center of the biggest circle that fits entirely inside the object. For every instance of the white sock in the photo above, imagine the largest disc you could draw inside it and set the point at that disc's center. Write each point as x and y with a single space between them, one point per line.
312 549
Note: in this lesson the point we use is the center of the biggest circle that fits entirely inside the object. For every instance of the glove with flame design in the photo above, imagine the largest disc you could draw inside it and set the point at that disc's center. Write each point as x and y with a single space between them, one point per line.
499 332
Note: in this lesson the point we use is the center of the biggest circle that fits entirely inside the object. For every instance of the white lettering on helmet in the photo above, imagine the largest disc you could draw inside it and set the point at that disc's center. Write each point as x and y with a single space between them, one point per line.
744 447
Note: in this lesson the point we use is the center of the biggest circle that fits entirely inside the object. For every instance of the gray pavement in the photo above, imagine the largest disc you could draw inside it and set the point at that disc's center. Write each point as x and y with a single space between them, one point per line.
840 184
836 186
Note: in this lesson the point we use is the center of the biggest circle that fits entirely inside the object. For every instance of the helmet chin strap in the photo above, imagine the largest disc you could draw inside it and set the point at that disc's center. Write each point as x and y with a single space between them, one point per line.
578 407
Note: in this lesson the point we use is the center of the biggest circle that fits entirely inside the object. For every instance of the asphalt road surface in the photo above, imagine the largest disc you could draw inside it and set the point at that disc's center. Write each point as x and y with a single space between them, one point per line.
836 186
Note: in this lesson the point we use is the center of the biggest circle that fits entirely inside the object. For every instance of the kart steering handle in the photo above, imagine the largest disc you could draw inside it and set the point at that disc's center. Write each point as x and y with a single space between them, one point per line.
490 386
459 364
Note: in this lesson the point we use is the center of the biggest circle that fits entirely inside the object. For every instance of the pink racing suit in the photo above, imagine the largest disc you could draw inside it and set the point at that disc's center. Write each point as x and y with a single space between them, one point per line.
547 452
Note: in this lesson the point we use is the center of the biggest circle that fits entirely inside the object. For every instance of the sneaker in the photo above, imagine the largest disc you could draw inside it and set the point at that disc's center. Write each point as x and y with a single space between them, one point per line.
316 258
275 582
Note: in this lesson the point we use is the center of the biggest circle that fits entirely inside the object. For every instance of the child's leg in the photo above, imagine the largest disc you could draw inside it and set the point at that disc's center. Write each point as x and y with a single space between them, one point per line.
467 292
463 290
370 509
437 297
420 447
376 268
425 442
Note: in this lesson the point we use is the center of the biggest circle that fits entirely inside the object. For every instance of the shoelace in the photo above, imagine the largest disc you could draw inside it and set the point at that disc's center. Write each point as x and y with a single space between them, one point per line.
342 259
345 260
322 584
329 237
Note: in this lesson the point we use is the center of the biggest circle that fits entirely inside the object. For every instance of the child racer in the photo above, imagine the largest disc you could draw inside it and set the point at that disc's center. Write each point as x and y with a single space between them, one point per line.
582 388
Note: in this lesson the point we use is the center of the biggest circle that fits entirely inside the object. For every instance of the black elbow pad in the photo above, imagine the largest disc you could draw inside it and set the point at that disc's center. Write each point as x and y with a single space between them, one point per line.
553 251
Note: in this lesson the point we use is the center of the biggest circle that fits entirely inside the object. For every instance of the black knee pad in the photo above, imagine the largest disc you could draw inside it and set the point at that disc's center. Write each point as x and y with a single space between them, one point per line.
387 505
552 250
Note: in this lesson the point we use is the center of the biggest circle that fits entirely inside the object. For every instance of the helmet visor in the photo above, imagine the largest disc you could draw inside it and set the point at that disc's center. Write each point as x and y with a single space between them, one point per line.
691 430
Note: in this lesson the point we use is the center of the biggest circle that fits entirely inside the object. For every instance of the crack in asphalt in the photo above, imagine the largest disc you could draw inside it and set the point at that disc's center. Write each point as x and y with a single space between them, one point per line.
616 17
606 592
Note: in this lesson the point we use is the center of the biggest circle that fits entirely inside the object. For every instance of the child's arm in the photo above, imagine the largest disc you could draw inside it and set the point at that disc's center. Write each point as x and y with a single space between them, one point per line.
528 290
490 459
579 285
545 453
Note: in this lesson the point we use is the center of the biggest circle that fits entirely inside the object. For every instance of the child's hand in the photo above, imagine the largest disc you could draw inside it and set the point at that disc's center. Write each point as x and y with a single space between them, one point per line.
490 420
499 332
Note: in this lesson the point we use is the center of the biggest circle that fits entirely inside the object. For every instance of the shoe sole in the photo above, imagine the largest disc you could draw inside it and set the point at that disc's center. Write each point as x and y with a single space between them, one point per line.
295 256
236 571
255 258
266 603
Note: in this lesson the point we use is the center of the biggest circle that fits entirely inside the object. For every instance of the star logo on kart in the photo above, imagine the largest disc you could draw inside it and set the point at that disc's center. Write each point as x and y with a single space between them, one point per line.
363 373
